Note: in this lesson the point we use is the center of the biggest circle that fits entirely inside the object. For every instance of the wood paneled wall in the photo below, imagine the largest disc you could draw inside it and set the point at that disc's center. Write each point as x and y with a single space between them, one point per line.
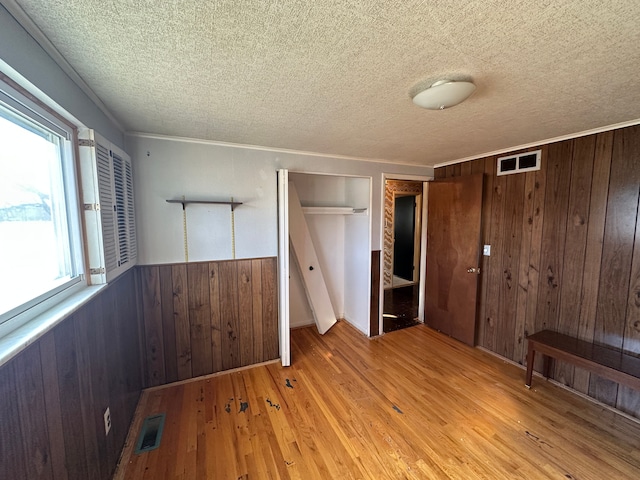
565 253
374 310
201 318
54 393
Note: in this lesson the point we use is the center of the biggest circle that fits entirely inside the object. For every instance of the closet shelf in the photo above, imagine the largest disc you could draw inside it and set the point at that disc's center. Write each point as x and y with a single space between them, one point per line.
333 211
185 202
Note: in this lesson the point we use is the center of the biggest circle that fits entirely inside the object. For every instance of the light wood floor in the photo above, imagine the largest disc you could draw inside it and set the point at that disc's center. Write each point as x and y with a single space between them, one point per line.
411 404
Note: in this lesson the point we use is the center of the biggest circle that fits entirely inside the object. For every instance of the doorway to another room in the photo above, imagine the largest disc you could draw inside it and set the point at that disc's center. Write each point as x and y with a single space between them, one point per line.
403 212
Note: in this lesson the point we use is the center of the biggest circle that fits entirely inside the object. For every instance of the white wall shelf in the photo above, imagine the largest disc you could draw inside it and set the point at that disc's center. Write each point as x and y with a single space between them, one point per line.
333 211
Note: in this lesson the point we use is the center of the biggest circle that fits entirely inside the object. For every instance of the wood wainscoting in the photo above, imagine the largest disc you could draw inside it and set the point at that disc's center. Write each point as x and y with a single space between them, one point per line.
53 394
374 311
565 253
206 317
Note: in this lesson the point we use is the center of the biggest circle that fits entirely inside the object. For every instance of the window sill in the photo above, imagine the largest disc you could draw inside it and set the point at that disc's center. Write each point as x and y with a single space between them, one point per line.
19 339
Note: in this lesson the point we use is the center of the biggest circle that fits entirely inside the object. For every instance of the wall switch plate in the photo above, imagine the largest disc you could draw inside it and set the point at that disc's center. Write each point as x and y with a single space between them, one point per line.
107 421
486 251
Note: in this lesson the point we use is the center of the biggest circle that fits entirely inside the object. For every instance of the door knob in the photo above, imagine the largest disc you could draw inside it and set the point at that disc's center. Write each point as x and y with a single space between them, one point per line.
473 270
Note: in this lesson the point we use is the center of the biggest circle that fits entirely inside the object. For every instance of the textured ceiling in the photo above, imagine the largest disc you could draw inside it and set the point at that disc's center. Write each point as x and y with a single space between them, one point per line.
335 76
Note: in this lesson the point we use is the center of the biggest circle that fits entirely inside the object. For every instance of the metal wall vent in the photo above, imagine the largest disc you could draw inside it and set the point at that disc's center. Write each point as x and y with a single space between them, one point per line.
150 433
523 162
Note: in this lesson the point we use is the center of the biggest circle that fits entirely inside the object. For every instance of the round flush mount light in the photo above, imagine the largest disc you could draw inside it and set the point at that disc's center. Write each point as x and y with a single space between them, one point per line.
444 94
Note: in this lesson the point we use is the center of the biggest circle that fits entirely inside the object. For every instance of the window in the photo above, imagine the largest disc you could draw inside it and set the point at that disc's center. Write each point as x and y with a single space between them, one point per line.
40 237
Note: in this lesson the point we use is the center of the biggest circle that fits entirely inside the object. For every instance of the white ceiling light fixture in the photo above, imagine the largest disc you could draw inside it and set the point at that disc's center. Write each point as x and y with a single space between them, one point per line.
444 94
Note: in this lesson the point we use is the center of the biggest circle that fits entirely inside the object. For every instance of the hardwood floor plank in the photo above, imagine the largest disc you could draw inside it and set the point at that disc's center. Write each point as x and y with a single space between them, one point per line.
411 404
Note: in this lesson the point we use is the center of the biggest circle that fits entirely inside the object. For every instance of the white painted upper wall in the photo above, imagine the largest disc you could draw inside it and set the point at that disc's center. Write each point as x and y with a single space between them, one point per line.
24 56
167 168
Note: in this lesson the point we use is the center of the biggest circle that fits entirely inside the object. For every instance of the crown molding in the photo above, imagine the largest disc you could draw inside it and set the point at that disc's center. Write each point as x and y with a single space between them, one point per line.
561 138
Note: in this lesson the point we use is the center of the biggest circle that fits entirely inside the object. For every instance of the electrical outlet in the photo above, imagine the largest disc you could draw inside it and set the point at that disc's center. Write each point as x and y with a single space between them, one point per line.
486 251
107 421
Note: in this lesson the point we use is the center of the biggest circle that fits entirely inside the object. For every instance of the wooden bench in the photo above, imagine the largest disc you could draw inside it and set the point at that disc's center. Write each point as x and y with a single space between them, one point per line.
606 362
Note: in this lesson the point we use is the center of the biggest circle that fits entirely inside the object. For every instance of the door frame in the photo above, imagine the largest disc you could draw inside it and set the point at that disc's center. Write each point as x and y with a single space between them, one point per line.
284 330
425 179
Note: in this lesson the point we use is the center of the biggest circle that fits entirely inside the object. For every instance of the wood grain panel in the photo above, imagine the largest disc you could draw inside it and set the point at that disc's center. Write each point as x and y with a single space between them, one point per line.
229 314
216 321
553 234
593 254
453 170
270 308
69 378
536 246
94 380
181 320
53 408
524 267
245 312
168 324
88 409
152 312
575 246
488 170
494 272
117 363
577 254
199 318
30 396
374 309
256 294
477 166
512 223
12 454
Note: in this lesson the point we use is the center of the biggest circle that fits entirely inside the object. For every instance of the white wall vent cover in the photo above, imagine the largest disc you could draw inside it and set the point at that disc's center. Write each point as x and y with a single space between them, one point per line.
523 162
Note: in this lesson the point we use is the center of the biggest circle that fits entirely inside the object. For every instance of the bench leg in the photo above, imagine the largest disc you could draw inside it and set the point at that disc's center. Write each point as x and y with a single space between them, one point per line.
546 366
531 355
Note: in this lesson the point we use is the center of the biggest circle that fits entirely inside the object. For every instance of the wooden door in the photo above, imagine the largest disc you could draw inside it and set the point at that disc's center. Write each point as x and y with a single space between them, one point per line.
453 255
404 219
